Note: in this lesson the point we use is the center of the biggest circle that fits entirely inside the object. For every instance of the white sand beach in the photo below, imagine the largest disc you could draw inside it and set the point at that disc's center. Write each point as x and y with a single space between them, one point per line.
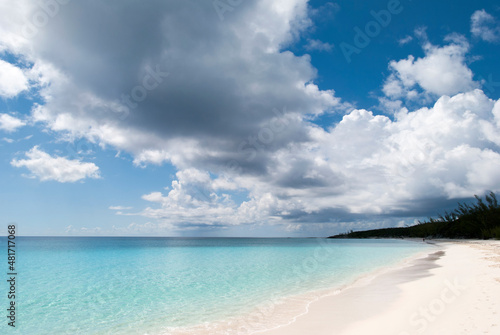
455 290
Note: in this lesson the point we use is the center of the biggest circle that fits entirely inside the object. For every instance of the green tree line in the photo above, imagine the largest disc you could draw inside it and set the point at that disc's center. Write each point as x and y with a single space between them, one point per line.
477 221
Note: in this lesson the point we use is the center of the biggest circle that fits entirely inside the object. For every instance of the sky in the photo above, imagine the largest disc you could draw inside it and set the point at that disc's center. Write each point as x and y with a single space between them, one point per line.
244 117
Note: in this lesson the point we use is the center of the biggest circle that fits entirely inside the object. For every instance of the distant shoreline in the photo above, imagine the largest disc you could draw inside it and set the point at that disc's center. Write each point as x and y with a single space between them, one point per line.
477 221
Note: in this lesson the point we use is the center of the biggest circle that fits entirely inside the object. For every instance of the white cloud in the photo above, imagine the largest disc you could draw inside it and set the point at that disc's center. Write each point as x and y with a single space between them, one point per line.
119 208
405 40
366 165
45 167
317 45
12 80
148 228
194 200
83 231
484 26
10 123
11 140
13 16
442 71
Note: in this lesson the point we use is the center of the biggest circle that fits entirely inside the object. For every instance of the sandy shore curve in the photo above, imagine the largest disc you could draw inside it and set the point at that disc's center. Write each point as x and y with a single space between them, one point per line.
454 290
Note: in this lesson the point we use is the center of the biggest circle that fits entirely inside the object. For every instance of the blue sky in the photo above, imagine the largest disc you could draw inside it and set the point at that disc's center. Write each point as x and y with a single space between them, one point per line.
251 118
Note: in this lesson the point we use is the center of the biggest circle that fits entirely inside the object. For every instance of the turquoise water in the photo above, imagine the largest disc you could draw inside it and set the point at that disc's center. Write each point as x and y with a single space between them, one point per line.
88 285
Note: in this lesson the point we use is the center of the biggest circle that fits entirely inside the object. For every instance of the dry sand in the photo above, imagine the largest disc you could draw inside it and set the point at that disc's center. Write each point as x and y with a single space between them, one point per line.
455 290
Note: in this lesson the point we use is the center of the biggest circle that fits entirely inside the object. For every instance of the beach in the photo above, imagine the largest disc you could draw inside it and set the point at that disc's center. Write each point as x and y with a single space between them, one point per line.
145 285
232 286
455 289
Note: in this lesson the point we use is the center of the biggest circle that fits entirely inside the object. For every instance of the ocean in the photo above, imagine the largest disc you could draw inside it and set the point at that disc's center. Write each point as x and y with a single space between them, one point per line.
153 286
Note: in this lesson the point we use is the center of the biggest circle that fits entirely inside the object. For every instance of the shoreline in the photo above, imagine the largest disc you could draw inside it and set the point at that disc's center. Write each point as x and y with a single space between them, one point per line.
451 288
279 314
455 290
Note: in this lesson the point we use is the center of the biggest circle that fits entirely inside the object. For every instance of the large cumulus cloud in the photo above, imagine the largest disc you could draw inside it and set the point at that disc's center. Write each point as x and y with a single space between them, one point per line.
150 78
170 82
366 166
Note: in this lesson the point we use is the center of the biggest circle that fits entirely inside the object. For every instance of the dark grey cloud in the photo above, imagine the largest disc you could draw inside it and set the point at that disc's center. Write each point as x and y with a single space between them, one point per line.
215 81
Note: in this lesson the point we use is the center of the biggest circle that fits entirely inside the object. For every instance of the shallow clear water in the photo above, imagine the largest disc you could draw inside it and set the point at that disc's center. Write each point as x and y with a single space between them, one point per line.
88 285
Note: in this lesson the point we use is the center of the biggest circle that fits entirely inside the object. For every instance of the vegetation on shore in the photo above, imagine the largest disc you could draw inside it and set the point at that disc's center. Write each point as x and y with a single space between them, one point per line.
478 221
